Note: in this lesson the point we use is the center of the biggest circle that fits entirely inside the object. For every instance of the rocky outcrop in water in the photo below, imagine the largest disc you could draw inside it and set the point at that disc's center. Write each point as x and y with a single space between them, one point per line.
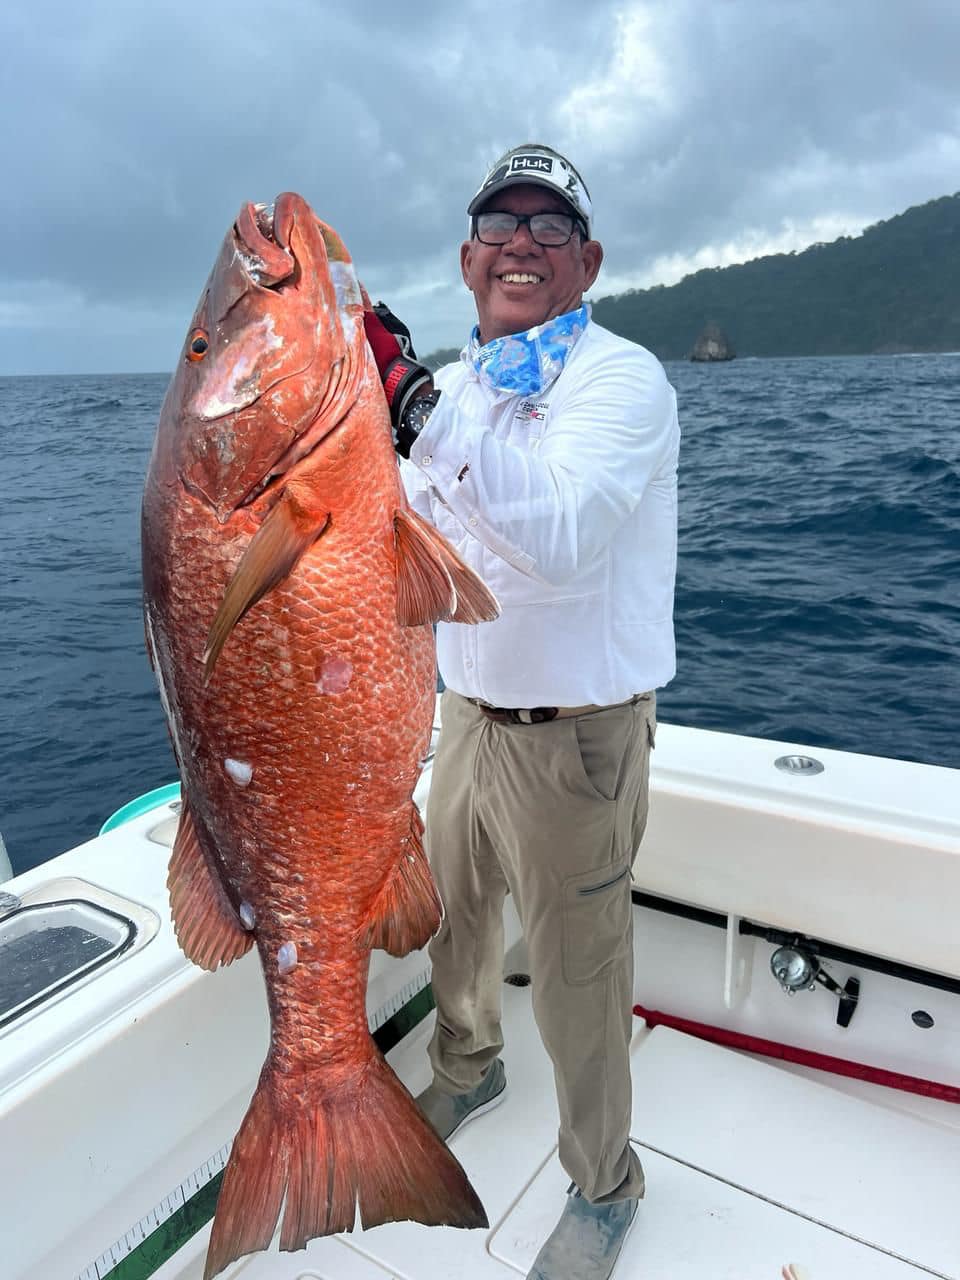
713 344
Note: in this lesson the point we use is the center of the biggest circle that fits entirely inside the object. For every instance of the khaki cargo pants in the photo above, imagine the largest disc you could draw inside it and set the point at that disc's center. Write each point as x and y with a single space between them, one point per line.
554 813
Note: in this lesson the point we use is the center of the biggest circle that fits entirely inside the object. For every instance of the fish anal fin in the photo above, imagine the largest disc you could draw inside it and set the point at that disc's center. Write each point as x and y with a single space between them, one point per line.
407 910
292 526
204 920
433 583
363 1141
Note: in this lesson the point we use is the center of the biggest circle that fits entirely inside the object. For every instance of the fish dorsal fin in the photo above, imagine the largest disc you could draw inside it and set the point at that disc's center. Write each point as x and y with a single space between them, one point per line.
433 583
292 526
407 910
204 920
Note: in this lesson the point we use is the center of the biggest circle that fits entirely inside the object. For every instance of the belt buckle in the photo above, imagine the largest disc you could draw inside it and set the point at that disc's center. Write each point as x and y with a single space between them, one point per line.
515 715
537 715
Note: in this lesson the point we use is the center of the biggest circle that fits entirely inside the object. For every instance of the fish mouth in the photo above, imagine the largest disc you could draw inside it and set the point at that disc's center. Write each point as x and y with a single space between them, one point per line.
264 216
262 239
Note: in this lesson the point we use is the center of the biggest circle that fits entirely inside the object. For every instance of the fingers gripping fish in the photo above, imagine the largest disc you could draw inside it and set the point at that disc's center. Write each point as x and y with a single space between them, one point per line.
289 591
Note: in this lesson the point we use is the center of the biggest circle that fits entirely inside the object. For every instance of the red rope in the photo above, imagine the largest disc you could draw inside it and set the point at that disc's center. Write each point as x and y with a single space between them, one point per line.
805 1057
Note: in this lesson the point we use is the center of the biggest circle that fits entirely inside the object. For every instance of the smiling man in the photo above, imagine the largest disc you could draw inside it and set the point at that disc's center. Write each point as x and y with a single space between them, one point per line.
516 271
548 456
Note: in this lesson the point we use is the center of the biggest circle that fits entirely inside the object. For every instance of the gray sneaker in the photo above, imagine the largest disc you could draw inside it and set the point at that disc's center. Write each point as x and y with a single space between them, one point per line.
586 1242
448 1111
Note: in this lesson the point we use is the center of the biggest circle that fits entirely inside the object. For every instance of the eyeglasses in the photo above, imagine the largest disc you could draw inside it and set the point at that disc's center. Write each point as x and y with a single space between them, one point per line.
548 229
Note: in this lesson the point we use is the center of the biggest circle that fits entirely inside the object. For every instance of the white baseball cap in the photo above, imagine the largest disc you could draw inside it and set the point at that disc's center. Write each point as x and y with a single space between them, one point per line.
543 167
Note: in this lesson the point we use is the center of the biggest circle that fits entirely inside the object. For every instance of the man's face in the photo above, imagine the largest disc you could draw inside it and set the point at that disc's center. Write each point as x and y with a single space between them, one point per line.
520 284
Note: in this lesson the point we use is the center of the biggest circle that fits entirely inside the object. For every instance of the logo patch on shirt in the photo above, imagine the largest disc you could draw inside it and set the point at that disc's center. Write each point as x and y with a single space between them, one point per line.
535 409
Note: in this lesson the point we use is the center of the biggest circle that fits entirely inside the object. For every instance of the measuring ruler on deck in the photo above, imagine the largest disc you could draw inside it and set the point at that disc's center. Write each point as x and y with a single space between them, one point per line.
166 1228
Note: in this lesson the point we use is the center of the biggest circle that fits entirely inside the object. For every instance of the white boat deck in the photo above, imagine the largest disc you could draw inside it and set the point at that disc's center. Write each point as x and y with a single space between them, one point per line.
750 1167
120 1095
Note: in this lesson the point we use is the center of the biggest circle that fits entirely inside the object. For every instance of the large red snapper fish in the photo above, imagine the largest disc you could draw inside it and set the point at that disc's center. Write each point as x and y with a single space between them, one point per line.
289 591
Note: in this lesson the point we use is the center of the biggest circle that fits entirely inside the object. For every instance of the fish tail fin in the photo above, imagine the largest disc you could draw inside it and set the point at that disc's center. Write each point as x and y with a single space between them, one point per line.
407 910
369 1146
364 1143
253 1186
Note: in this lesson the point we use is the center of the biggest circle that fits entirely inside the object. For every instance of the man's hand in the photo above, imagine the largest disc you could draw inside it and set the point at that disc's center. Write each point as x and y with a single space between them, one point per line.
403 377
394 327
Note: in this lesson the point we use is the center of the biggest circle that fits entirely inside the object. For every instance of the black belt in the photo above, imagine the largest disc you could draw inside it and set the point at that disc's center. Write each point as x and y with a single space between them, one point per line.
538 715
516 715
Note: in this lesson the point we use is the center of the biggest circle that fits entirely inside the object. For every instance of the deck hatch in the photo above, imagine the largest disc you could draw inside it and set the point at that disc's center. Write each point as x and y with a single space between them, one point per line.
47 947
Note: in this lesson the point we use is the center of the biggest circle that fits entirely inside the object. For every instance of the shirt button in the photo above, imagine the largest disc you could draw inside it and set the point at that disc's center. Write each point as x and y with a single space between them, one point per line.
473 520
426 459
468 662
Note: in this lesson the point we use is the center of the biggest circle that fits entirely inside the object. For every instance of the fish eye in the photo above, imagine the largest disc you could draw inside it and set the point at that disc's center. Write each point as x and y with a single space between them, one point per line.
197 347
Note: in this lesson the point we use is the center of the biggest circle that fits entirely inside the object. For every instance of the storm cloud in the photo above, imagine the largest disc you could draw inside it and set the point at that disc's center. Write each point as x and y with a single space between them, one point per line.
707 134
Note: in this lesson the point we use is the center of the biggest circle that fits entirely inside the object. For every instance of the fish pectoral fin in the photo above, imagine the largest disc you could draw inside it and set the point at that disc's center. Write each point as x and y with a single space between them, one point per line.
204 920
433 583
292 526
407 910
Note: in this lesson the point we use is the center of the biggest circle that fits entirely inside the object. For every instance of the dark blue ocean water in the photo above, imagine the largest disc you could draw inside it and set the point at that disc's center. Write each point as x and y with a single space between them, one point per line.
818 595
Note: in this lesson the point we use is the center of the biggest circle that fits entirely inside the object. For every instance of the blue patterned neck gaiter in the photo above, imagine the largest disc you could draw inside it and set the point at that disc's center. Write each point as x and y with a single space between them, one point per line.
526 363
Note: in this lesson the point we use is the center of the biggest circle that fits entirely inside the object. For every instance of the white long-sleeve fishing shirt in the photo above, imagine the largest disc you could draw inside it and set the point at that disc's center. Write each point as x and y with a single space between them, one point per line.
565 504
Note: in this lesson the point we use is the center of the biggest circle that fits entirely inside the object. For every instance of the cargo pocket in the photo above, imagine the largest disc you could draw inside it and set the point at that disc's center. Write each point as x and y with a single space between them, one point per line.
596 923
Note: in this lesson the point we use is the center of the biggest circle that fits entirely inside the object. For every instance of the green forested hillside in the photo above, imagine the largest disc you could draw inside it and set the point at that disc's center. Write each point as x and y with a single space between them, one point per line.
896 287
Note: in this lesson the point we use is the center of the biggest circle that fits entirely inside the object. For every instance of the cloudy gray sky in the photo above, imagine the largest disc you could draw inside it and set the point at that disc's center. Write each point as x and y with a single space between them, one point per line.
708 133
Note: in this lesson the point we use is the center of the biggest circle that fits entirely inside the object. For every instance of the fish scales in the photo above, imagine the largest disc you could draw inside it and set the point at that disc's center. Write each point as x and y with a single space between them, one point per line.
288 593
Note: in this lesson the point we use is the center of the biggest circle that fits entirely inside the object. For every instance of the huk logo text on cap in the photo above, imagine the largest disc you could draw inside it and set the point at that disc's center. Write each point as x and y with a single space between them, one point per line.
540 164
